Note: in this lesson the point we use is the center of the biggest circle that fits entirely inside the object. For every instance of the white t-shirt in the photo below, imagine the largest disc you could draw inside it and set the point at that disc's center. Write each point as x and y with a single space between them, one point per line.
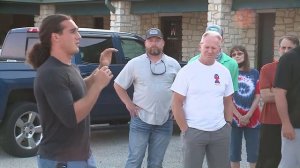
151 92
204 88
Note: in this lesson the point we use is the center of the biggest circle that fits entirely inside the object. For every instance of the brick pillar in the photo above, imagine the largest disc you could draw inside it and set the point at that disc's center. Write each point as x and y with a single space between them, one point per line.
122 20
45 10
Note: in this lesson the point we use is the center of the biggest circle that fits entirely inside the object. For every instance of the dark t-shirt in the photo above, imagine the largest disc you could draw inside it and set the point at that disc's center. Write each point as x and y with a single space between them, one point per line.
56 87
288 78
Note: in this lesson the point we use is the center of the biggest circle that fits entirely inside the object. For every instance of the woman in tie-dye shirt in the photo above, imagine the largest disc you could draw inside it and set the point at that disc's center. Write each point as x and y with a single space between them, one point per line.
246 113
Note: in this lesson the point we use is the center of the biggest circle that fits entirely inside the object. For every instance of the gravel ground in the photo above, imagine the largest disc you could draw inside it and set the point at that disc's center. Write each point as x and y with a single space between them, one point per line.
109 146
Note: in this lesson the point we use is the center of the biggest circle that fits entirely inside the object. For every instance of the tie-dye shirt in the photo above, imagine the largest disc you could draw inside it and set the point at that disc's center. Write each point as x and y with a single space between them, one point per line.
243 98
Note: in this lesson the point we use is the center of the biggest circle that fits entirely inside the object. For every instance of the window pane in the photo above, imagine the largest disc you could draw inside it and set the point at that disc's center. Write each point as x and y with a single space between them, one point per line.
13 52
90 48
31 42
132 48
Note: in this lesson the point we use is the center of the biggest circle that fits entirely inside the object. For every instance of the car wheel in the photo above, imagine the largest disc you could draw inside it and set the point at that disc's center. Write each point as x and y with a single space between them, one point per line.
22 130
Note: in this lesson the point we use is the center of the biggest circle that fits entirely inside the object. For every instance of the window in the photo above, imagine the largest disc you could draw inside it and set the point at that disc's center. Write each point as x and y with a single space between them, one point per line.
30 43
132 48
90 48
14 46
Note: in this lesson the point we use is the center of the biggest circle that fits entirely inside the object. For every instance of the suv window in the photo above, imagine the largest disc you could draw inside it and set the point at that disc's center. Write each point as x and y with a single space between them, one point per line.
90 48
31 41
15 47
132 48
17 53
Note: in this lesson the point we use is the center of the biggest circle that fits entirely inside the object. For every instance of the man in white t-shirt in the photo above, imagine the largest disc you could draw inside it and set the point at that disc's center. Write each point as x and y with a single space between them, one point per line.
201 107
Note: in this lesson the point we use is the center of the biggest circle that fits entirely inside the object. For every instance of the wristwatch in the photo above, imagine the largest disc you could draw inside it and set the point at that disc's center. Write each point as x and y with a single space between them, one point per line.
229 122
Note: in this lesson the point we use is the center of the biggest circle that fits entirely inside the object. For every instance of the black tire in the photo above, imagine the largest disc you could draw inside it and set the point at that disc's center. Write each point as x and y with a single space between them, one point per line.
22 131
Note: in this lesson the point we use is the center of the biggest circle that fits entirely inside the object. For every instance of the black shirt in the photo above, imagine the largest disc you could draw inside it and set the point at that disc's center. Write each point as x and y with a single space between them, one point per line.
56 87
288 78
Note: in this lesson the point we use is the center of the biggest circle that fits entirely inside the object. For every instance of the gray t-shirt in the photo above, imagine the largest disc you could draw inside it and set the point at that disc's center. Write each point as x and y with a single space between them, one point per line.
151 92
56 87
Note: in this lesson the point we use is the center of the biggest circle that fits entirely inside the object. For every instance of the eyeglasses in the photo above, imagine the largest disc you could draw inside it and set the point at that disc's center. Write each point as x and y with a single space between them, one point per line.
158 68
237 54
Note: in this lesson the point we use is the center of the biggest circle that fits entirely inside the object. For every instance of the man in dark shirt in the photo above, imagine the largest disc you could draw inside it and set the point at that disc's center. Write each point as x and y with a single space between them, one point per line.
64 99
269 154
287 98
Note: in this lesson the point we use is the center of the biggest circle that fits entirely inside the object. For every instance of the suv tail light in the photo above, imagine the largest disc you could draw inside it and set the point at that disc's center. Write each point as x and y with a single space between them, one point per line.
33 30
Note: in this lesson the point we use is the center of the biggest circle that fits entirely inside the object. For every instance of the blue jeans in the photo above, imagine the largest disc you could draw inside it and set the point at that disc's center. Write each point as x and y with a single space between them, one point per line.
156 137
46 163
252 141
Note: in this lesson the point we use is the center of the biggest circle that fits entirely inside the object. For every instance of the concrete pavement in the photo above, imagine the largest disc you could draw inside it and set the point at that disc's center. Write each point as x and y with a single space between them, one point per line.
109 146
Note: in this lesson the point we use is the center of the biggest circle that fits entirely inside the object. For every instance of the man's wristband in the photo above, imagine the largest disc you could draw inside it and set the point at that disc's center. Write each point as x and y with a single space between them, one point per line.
229 122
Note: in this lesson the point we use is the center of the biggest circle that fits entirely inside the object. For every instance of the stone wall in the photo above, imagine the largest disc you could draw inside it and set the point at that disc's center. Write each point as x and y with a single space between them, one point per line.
193 26
242 31
45 10
240 27
287 23
122 20
149 21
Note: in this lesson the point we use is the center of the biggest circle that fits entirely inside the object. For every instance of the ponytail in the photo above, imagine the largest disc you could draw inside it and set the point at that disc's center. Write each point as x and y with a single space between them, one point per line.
38 55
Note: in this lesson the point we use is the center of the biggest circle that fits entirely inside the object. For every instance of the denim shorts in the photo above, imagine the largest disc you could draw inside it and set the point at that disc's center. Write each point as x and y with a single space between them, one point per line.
252 143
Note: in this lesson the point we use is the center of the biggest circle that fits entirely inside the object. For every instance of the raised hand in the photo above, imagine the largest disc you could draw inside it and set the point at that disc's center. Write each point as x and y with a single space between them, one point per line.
102 76
105 57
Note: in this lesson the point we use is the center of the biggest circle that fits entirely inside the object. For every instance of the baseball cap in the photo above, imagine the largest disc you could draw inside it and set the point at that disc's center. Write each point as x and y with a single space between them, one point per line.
153 32
215 28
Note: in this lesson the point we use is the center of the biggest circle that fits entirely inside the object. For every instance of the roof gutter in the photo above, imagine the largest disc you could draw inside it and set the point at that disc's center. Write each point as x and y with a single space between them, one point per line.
110 6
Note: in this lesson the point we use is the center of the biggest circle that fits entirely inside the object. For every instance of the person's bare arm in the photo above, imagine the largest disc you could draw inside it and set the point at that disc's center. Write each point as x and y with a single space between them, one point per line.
104 60
123 95
236 113
177 109
228 108
84 106
246 118
101 78
106 56
282 108
267 95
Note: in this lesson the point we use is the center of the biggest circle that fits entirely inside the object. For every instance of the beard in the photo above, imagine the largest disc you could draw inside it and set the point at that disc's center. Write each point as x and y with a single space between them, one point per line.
154 51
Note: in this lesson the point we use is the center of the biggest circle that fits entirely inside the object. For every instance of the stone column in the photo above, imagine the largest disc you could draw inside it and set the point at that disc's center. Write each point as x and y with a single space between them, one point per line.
45 10
122 20
219 12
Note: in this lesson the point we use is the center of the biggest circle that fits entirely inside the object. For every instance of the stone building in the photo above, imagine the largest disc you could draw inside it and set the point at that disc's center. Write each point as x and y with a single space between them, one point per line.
256 24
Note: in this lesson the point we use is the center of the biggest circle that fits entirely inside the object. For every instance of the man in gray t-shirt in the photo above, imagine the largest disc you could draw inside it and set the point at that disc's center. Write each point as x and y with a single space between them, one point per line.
64 99
152 75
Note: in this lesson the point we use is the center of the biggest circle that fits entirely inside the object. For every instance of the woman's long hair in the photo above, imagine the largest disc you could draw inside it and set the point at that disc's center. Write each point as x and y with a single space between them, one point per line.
246 63
40 52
